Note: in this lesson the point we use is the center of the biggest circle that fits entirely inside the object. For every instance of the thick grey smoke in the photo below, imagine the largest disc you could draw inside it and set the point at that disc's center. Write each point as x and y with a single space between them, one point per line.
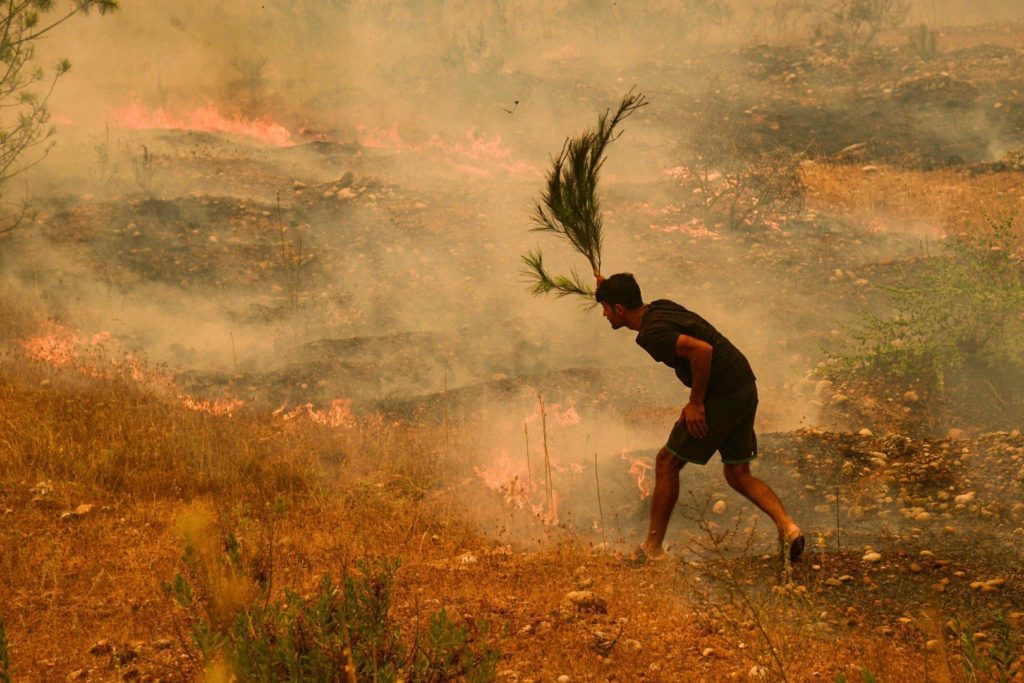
376 254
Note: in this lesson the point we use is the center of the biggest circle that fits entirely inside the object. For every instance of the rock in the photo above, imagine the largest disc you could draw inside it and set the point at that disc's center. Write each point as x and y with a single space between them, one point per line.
719 507
932 644
845 578
564 678
101 647
80 511
632 645
77 675
585 601
872 557
865 432
163 643
911 396
707 652
757 673
964 498
956 434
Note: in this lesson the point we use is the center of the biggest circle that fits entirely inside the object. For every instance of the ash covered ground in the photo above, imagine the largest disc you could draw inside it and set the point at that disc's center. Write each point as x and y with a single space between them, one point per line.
374 257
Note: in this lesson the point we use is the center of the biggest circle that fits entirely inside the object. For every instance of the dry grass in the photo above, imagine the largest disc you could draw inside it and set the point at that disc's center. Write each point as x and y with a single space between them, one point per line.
942 201
305 500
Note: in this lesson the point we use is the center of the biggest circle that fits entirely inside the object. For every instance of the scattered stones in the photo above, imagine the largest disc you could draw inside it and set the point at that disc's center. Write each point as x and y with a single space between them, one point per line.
719 507
872 557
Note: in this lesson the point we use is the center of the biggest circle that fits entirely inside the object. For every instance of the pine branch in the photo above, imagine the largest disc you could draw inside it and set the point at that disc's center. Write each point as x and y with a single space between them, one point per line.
569 206
543 282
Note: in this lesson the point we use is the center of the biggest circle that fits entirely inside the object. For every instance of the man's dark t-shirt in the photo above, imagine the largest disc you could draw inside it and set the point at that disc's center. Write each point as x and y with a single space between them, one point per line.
661 326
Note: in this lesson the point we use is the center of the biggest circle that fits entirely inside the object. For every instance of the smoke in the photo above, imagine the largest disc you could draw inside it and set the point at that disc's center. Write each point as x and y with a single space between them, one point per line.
372 252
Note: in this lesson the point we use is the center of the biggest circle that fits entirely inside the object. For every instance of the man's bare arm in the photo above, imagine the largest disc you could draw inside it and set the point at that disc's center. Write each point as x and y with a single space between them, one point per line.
699 353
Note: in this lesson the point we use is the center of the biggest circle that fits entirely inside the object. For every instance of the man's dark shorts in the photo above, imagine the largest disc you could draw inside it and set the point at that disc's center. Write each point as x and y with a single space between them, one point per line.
730 430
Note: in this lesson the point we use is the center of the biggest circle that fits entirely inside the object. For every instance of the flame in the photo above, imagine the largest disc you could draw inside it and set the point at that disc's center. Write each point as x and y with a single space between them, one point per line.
508 478
218 406
339 415
475 153
59 347
563 417
638 470
208 118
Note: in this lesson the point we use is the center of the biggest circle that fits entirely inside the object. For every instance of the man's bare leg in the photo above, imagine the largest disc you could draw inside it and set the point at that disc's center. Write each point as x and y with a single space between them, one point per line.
761 495
663 500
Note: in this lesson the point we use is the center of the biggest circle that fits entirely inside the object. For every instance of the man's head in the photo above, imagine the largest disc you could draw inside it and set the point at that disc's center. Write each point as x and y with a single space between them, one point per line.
619 295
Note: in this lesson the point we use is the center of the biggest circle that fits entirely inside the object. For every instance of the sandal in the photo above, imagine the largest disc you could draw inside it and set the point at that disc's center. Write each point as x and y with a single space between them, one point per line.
793 548
640 558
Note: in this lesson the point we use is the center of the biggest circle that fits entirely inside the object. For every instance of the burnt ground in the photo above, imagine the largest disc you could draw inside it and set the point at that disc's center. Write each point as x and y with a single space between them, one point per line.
289 241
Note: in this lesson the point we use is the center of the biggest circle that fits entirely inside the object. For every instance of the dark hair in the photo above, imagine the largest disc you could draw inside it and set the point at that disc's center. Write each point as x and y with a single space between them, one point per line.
620 288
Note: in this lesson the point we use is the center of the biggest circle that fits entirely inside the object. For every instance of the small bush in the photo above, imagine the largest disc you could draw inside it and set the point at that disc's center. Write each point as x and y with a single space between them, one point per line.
339 633
5 658
991 661
852 25
739 188
964 306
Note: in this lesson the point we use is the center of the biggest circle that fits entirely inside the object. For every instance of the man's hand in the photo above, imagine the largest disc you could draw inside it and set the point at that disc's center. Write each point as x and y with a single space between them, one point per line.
696 422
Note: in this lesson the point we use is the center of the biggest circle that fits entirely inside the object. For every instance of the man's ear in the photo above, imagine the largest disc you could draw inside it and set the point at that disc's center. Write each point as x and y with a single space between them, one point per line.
619 309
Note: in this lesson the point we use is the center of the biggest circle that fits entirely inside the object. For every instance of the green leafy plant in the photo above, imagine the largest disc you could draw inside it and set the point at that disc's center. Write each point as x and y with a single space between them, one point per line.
5 657
569 206
962 306
865 675
340 632
994 661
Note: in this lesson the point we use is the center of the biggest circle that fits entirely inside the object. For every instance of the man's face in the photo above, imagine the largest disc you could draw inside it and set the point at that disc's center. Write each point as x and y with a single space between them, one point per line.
614 315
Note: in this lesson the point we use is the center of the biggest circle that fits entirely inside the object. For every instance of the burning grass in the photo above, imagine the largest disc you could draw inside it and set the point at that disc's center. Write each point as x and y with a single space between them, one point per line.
101 475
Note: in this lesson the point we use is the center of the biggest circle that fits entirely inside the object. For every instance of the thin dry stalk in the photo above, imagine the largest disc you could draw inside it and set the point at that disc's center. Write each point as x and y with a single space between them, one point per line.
600 508
529 467
547 456
447 431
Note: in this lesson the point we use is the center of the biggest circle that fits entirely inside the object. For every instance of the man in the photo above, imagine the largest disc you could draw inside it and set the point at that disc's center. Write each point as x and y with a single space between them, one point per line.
718 417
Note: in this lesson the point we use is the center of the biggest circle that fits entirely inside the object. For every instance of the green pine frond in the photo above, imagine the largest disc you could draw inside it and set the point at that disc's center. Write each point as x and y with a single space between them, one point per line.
569 206
542 282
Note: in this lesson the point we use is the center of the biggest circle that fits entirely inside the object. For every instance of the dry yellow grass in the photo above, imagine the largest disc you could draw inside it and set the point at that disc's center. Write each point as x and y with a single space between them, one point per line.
305 500
944 201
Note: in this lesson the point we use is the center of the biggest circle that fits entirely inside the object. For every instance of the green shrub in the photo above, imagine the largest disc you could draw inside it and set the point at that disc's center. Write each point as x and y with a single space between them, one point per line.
339 633
962 307
994 661
5 658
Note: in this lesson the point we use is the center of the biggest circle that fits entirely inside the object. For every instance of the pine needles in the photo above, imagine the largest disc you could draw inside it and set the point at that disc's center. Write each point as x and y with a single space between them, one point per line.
569 206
